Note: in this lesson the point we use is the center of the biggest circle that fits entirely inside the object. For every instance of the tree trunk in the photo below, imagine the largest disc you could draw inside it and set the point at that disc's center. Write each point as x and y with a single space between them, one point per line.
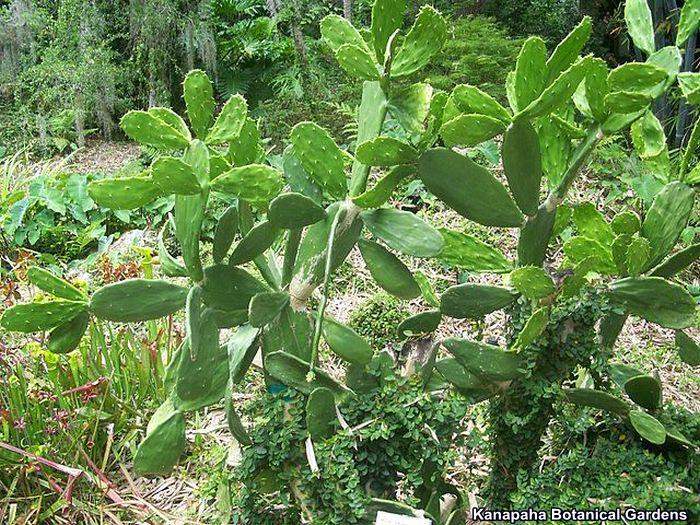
347 10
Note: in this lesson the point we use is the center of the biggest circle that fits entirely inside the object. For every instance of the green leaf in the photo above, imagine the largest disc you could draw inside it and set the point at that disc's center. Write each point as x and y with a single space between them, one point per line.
48 282
388 270
534 327
169 265
580 248
587 397
468 188
125 193
465 251
199 100
320 157
626 102
656 300
403 231
35 317
485 361
640 25
172 119
470 99
66 337
357 62
688 349
255 243
225 232
473 301
466 383
265 307
386 151
165 441
689 21
293 371
149 130
667 218
532 281
690 86
321 418
242 347
257 184
346 343
247 147
387 17
230 121
535 236
470 130
229 288
569 49
638 254
625 222
380 193
644 390
411 106
173 176
137 300
648 427
337 31
591 224
677 262
636 77
422 43
419 324
522 164
530 71
294 210
597 89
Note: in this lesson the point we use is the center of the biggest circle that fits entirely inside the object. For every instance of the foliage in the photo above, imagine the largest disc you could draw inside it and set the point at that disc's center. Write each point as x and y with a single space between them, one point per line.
551 19
377 318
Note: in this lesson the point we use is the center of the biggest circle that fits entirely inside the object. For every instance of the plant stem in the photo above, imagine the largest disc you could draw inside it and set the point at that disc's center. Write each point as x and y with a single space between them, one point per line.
290 255
326 282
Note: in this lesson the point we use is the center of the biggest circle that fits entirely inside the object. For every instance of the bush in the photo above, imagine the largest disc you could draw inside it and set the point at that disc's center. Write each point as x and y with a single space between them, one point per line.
377 319
551 19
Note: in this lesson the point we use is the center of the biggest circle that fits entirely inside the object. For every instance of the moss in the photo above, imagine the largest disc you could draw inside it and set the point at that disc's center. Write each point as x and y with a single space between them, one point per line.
377 319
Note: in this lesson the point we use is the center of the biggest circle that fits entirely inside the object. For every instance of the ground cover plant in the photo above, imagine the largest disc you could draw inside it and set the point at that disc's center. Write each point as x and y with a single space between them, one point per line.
347 422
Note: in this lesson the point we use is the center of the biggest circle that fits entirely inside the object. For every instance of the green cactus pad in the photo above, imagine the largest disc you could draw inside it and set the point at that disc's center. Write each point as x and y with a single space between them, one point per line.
485 361
422 43
535 236
690 87
620 373
472 301
532 281
677 262
233 420
380 193
229 288
534 327
689 21
199 100
218 165
48 282
169 265
320 157
247 147
470 130
597 89
636 77
230 121
225 232
255 243
387 17
591 224
371 116
149 130
467 252
470 99
137 300
648 136
321 418
338 31
522 164
125 193
165 441
645 391
625 102
667 218
35 317
588 397
189 214
172 119
257 184
410 106
558 92
688 349
648 427
568 49
242 347
386 151
625 222
638 253
640 25
193 319
581 248
357 62
530 71
265 307
466 383
171 176
388 270
403 231
66 337
292 371
419 324
574 282
293 211
656 300
346 343
468 188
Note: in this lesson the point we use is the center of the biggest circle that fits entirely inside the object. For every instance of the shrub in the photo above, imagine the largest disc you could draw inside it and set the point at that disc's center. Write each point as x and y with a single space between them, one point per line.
378 318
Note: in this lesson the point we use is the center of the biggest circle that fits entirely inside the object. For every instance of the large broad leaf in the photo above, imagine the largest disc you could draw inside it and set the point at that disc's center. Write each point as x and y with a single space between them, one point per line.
265 307
419 324
125 193
690 87
230 121
530 71
470 99
468 188
256 183
149 130
380 193
357 62
522 164
474 300
678 261
591 224
66 337
656 300
137 300
255 243
667 218
338 31
640 25
294 210
173 176
403 231
225 232
411 105
242 347
532 281
388 270
648 136
465 382
535 236
485 361
569 49
465 251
